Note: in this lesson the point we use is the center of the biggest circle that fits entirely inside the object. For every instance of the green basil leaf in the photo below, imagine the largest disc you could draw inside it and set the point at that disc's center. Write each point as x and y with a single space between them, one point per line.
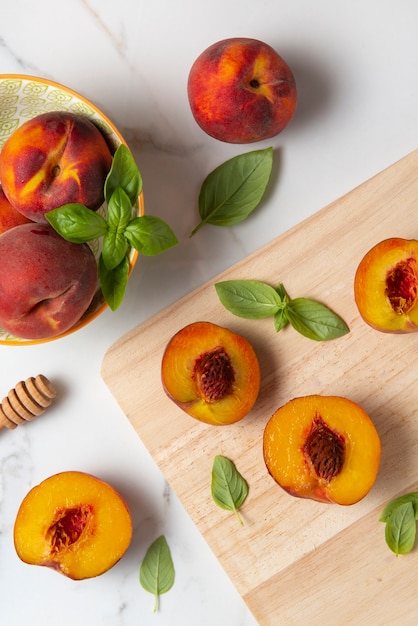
315 320
229 488
114 249
76 223
234 189
119 210
391 506
156 573
113 282
251 299
401 529
124 173
280 320
282 293
150 235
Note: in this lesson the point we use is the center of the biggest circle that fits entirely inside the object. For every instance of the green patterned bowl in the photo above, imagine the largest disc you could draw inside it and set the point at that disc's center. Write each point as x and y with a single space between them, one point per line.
23 97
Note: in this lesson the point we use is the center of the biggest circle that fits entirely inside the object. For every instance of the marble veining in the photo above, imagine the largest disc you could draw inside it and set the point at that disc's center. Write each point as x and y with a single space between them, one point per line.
355 67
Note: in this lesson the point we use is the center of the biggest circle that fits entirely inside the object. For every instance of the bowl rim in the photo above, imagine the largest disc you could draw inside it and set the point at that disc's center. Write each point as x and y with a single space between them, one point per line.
84 321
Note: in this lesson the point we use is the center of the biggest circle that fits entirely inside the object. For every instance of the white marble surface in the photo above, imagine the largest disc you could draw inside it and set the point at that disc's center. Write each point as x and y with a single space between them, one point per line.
356 69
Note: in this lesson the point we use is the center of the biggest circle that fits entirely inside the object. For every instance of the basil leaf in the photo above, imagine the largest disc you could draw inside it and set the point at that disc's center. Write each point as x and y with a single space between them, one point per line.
401 529
280 320
251 299
234 189
113 282
119 210
124 173
229 488
391 506
282 293
114 248
150 235
156 573
315 320
76 223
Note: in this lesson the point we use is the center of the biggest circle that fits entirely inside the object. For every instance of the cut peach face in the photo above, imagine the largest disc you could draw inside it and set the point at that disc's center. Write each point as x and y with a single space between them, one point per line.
73 523
386 286
325 448
211 373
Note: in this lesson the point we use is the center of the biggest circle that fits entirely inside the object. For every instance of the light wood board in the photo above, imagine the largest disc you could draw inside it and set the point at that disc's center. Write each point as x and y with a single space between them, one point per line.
296 561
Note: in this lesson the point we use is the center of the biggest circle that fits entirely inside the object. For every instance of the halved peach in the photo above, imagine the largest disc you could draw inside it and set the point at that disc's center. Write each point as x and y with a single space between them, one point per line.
73 523
386 286
211 373
325 448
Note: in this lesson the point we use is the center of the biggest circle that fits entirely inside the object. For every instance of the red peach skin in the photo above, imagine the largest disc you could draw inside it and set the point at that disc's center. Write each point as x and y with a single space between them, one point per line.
46 282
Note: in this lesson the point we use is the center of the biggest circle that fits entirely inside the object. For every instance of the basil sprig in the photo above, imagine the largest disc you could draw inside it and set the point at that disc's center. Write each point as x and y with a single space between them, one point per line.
229 488
234 189
156 573
400 516
120 230
254 299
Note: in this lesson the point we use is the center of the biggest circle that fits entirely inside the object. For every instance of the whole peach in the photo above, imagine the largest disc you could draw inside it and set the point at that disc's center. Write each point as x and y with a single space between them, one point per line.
54 159
240 91
9 216
46 282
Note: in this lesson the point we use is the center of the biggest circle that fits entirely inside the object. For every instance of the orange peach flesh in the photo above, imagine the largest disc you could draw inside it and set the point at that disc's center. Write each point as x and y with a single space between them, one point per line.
285 455
73 523
386 286
180 374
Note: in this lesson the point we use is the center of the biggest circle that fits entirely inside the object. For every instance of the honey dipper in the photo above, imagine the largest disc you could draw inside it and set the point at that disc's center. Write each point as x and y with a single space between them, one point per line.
26 401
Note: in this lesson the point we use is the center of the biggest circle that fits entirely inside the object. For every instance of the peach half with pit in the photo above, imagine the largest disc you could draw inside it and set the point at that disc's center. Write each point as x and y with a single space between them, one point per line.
53 159
386 286
46 282
211 373
325 448
241 90
73 523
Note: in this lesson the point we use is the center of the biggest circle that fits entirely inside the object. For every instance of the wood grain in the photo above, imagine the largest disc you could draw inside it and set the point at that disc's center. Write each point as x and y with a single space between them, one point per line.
296 561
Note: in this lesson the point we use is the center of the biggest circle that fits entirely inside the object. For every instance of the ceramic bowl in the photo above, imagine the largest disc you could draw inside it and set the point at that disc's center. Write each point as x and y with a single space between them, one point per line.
23 97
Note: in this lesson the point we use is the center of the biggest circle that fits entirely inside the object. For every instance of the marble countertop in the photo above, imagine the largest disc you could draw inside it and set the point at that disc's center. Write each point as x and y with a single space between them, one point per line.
356 70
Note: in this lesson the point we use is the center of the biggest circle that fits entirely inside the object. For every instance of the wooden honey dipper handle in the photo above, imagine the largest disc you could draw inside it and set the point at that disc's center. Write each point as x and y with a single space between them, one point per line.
26 401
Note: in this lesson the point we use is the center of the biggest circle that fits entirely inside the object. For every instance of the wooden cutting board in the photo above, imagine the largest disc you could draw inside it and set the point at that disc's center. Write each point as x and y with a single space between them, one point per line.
296 561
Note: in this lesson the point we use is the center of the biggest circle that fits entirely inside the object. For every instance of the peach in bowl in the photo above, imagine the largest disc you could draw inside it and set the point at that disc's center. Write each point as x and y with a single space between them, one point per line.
56 149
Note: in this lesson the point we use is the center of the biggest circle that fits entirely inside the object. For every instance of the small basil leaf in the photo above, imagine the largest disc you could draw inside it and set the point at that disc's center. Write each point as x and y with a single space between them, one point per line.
391 506
124 173
119 210
76 223
280 320
229 488
401 529
282 293
156 573
114 248
315 320
113 282
251 299
234 189
150 235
